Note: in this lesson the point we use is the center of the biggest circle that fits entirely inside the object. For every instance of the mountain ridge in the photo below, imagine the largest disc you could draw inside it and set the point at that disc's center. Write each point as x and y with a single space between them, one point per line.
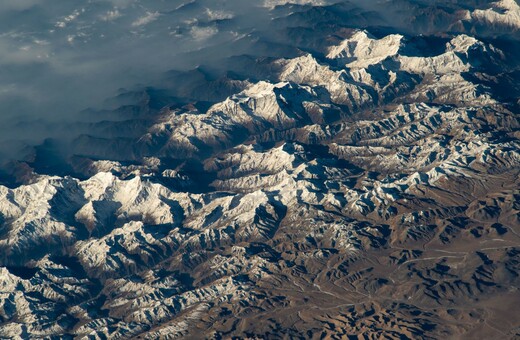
365 188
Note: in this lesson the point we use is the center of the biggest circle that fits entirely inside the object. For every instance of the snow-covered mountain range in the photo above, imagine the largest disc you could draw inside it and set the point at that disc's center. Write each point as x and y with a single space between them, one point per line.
360 182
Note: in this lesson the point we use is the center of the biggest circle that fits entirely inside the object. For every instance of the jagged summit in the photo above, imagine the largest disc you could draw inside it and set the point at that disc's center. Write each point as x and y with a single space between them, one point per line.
362 50
505 13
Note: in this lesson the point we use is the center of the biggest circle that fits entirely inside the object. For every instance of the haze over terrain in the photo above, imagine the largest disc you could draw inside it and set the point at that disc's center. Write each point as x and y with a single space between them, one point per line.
61 57
267 169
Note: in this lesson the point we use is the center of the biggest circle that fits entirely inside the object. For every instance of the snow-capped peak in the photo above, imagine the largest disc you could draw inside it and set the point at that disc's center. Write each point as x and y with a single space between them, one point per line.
504 13
362 50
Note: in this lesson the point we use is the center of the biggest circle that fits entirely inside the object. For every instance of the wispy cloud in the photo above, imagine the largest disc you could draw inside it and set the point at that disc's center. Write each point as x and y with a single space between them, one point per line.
202 33
69 18
146 19
111 15
219 14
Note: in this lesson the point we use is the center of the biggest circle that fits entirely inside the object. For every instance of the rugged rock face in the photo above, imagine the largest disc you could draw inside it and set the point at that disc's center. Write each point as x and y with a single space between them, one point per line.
366 188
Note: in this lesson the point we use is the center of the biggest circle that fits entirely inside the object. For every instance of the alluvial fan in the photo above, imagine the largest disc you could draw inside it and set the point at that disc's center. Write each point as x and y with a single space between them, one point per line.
359 178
